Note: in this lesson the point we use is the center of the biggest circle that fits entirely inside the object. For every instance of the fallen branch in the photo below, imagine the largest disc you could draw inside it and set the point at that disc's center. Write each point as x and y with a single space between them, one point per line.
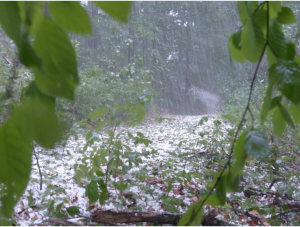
275 181
285 212
156 218
65 222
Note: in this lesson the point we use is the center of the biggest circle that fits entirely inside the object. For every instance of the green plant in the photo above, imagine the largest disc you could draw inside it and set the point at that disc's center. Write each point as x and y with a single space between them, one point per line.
44 47
261 33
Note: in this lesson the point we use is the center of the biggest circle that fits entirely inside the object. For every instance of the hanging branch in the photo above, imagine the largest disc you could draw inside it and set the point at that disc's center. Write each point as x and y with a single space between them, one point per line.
247 108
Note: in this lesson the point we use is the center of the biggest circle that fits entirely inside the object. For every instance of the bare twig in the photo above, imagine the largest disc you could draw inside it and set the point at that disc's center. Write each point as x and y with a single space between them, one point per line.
38 165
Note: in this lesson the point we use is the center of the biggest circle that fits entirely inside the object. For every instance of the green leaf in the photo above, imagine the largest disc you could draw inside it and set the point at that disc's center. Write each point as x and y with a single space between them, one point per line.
100 173
103 196
6 222
260 18
213 200
51 205
245 9
33 15
286 115
40 120
71 16
193 216
221 190
92 192
267 100
243 12
256 144
233 180
239 153
253 41
37 114
73 210
235 47
295 112
275 102
58 207
15 163
10 20
286 16
279 124
116 9
288 81
275 8
26 53
283 50
271 57
58 76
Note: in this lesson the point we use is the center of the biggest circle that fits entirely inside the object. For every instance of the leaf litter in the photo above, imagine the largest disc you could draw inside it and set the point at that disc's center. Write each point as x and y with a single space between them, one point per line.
185 154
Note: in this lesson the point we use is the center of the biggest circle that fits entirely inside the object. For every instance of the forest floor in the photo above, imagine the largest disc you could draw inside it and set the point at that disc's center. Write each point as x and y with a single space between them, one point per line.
183 157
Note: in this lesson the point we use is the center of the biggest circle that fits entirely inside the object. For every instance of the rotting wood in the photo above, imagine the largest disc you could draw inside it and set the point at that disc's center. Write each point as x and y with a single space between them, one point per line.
156 218
64 222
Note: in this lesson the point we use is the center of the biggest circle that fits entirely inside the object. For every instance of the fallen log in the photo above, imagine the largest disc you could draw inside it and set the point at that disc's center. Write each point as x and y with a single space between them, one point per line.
156 218
64 222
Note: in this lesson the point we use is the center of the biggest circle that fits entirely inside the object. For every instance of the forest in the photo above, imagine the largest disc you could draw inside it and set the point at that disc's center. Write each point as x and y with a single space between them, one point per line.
149 113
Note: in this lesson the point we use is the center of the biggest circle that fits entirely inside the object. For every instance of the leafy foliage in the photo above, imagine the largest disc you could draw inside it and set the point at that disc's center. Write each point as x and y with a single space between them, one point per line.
44 47
262 29
52 58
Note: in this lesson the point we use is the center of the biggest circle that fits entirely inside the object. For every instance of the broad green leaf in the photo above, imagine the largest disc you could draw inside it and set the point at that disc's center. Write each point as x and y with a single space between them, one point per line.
213 200
37 114
297 60
275 102
100 173
33 15
233 180
92 192
282 49
27 55
256 144
73 210
58 207
41 122
253 41
246 8
15 163
116 9
7 222
286 16
58 76
10 20
295 112
221 190
243 11
103 188
267 99
275 8
193 216
260 18
272 60
286 115
291 50
71 16
279 124
235 47
275 5
288 81
240 154
276 39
